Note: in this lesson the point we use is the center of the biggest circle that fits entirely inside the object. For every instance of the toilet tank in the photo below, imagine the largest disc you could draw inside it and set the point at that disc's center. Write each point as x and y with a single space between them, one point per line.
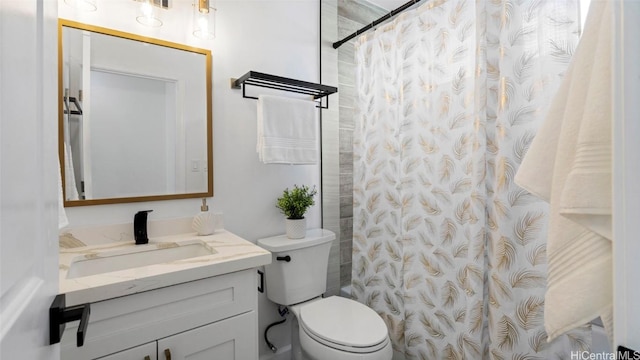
304 276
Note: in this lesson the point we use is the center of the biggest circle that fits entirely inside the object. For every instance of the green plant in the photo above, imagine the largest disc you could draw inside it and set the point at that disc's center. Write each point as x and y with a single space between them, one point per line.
295 202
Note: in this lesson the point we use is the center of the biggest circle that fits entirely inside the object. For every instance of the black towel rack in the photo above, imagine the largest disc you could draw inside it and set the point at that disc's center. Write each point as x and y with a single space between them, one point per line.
74 101
254 78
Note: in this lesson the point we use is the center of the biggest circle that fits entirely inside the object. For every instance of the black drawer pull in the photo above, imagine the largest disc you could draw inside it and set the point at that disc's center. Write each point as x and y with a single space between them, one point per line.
284 258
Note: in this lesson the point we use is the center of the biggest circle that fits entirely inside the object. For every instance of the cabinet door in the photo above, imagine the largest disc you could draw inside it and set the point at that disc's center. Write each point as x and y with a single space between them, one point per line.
142 352
229 339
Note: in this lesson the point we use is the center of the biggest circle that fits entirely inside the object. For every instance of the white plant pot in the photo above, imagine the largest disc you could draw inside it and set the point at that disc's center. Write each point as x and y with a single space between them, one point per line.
296 228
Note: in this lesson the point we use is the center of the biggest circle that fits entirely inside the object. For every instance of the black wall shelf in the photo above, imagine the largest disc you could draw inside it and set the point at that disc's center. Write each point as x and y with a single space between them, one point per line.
254 78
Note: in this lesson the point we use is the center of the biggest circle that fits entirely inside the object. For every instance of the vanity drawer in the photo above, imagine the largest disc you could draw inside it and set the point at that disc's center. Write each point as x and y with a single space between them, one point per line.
128 321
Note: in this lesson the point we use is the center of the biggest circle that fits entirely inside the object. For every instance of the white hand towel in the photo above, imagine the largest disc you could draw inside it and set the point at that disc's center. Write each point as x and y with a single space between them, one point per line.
569 165
69 175
287 130
62 215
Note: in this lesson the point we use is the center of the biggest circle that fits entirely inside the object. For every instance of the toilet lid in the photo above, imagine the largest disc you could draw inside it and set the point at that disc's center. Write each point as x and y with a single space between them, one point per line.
344 322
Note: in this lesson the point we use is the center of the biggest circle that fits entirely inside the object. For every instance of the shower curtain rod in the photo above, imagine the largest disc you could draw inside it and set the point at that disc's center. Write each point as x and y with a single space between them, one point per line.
384 18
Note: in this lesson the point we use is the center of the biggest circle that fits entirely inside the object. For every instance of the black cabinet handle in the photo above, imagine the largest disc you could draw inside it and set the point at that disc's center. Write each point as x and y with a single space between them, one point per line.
85 310
284 258
60 315
167 354
261 287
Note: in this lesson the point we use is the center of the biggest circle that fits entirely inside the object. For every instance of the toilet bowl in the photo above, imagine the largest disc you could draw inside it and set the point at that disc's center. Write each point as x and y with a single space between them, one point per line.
340 329
333 328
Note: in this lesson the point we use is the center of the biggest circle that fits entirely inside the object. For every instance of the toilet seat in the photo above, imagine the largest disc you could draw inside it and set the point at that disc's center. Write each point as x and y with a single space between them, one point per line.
344 324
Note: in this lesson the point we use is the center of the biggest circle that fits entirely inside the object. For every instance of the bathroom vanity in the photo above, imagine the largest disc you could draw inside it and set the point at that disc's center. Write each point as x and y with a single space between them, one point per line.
178 296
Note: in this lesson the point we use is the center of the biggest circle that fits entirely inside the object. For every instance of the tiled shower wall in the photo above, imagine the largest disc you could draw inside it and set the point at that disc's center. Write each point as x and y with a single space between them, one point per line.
352 15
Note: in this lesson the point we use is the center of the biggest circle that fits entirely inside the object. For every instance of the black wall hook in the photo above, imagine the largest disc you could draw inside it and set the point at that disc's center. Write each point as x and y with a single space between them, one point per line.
59 315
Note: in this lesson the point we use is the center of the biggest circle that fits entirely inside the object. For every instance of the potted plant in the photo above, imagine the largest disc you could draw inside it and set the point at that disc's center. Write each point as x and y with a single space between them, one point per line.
294 204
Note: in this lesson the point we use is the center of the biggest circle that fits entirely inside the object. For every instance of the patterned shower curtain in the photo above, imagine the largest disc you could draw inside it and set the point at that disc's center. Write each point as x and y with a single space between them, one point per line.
447 249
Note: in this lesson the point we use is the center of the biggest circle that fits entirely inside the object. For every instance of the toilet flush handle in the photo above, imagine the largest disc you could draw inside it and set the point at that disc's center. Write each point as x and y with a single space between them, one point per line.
284 258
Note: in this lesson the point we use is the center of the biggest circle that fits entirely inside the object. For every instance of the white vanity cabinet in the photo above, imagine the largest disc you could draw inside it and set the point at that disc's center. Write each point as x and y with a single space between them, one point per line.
226 339
142 352
214 317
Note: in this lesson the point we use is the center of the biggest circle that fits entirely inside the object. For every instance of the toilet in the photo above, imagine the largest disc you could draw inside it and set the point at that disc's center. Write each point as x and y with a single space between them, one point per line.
323 328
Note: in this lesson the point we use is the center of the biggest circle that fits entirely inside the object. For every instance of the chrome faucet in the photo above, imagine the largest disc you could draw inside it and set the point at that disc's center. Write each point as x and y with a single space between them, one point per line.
140 227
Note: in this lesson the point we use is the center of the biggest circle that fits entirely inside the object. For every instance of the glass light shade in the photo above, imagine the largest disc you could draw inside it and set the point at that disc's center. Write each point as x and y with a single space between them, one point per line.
148 14
84 5
204 20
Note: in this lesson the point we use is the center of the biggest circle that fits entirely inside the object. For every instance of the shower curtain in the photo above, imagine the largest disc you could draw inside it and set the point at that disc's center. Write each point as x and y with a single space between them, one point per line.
446 248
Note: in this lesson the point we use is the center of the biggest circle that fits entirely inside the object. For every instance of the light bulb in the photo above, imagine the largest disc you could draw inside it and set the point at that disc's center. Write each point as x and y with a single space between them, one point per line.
204 20
203 24
146 10
148 14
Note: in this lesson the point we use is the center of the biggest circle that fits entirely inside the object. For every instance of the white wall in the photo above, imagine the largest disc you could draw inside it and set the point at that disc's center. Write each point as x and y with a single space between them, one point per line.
626 170
274 36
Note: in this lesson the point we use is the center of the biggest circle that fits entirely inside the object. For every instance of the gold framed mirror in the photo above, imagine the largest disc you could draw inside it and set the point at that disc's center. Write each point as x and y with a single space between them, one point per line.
135 117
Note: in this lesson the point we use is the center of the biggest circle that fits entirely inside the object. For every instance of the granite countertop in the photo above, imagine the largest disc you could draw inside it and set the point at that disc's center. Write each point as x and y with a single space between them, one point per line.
230 253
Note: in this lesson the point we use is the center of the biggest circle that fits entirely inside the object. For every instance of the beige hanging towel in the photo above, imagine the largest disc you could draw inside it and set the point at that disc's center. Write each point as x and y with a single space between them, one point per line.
63 221
287 130
569 165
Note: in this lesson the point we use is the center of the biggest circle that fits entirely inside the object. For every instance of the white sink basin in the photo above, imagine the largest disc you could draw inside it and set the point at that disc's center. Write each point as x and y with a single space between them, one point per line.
137 256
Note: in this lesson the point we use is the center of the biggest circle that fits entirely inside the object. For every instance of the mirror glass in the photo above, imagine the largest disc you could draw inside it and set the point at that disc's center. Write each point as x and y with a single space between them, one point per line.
135 117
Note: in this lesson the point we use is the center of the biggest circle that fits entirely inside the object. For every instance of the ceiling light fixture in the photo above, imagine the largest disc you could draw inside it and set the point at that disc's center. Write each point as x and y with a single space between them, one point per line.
204 19
149 14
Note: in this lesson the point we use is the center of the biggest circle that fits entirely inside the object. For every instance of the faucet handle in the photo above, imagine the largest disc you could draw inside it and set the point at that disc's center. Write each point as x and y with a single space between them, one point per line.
141 216
140 227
